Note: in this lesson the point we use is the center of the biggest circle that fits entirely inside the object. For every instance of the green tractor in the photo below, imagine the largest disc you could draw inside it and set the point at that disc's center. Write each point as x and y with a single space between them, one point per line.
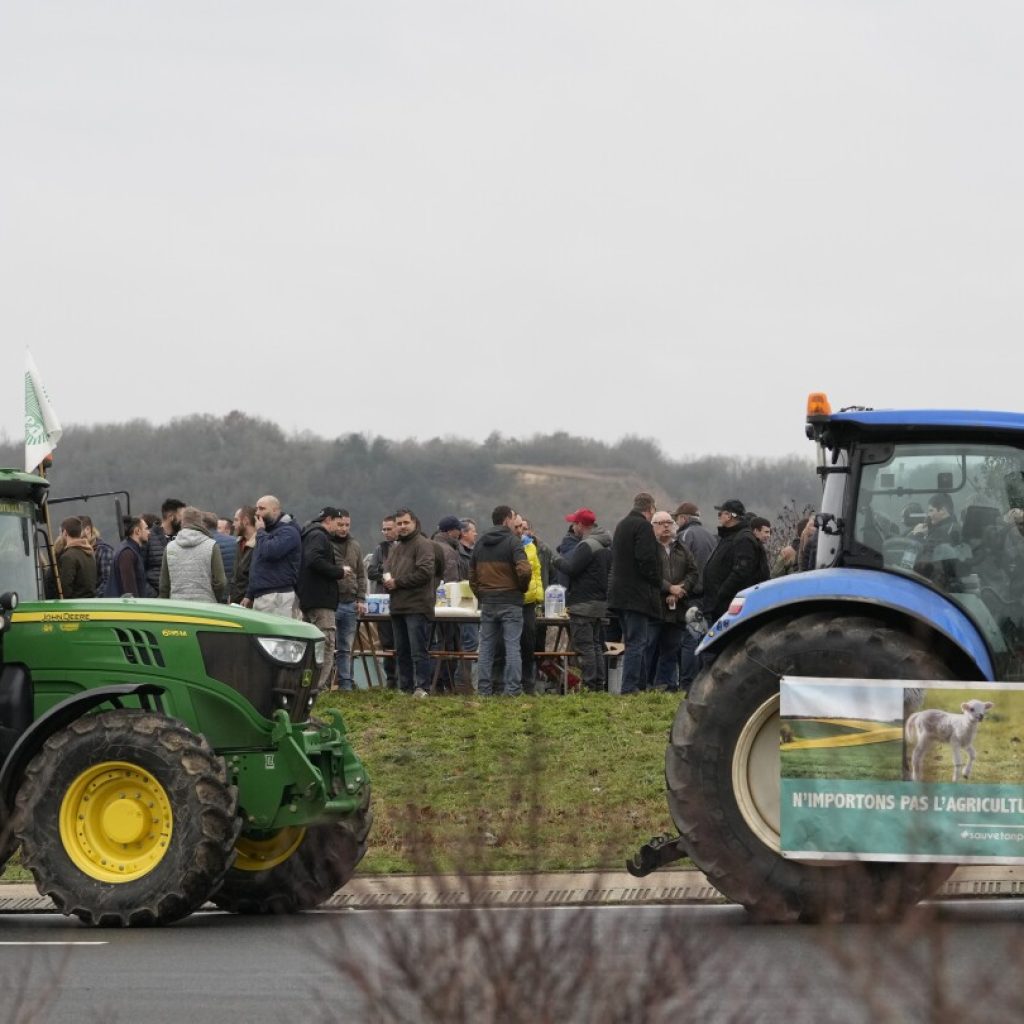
155 755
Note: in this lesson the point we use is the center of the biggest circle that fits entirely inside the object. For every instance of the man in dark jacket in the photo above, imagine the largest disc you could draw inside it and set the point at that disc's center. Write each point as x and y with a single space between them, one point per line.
566 545
469 632
128 569
693 535
586 597
245 542
318 583
351 595
446 634
375 574
698 540
76 562
736 563
679 572
635 589
159 537
408 577
276 560
467 541
499 575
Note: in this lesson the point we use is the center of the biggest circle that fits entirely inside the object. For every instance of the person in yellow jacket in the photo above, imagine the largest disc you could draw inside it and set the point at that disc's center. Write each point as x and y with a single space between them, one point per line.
532 600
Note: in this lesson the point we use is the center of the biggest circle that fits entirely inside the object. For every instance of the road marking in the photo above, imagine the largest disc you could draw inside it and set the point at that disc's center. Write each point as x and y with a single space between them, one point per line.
28 943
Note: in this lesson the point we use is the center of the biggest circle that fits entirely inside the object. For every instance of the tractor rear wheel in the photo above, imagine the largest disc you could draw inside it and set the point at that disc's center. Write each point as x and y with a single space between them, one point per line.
293 869
126 818
722 771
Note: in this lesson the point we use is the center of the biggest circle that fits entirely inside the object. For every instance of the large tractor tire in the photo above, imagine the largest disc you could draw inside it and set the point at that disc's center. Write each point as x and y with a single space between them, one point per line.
722 771
293 869
127 818
8 844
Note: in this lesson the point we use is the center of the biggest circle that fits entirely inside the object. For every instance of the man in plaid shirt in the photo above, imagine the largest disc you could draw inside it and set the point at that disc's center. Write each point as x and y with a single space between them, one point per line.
102 551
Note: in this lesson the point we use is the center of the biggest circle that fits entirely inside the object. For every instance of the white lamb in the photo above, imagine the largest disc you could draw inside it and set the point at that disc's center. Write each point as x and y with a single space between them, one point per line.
925 728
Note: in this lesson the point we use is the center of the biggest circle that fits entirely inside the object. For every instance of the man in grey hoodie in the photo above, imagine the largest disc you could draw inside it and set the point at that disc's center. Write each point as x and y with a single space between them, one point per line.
586 597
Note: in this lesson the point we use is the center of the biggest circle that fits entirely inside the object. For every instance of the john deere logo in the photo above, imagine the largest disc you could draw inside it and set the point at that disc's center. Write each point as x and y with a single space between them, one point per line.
307 677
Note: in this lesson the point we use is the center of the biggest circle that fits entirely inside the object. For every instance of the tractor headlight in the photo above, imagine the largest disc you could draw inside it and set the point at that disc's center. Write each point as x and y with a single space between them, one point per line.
288 652
319 646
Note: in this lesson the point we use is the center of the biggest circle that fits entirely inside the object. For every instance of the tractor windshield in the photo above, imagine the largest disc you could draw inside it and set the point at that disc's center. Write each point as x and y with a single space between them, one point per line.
953 515
17 549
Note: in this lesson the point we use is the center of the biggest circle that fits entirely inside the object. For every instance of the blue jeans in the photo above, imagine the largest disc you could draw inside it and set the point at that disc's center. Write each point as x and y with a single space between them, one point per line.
505 621
412 636
636 631
663 655
345 620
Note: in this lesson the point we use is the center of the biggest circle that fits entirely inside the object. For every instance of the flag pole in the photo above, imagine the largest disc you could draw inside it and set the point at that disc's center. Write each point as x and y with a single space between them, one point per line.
41 471
42 433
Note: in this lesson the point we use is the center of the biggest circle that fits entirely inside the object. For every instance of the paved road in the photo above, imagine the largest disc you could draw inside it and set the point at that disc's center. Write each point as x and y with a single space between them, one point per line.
955 961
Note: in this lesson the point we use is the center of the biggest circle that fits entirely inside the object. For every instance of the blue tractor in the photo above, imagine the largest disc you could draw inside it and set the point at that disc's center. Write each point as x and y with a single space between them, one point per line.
919 576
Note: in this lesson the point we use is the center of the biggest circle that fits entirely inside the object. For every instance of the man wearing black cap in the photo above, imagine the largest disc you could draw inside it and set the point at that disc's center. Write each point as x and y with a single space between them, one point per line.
700 542
735 563
317 588
449 530
692 533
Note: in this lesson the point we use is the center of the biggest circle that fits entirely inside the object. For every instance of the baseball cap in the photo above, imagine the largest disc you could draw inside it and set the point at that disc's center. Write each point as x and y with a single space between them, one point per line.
687 508
329 512
583 516
449 523
733 505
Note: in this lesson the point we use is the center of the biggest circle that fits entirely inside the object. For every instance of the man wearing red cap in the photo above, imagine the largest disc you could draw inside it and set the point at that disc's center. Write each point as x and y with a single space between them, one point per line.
586 597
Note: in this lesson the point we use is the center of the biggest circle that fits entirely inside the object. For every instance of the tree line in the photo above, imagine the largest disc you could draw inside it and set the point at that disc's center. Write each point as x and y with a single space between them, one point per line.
219 463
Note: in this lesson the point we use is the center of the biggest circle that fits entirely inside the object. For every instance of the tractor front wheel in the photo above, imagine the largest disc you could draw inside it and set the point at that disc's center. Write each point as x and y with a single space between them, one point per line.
293 869
722 770
126 818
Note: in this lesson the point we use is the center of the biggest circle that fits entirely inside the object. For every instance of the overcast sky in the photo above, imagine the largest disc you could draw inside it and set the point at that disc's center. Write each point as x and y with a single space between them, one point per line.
668 219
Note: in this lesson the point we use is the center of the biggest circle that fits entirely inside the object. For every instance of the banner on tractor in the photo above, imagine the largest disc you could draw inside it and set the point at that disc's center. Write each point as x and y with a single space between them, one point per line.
872 769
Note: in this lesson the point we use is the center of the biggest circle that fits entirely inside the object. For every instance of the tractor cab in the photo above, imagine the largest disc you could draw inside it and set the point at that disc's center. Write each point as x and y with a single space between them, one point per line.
24 553
936 497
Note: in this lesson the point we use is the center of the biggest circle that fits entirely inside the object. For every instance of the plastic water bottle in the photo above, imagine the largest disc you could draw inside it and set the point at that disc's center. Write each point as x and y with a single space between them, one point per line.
442 596
554 601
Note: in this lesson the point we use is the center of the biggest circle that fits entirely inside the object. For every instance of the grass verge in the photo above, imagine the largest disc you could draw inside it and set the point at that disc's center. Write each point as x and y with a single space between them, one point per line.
530 784
542 783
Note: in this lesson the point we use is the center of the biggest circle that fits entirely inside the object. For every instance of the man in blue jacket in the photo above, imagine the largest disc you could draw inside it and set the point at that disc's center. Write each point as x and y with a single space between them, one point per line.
276 560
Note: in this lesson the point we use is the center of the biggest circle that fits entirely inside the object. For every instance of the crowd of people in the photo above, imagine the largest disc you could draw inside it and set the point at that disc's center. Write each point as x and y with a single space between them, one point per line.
647 588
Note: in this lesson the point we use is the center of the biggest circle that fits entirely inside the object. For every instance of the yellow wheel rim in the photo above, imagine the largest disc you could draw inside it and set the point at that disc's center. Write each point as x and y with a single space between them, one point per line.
115 822
261 854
